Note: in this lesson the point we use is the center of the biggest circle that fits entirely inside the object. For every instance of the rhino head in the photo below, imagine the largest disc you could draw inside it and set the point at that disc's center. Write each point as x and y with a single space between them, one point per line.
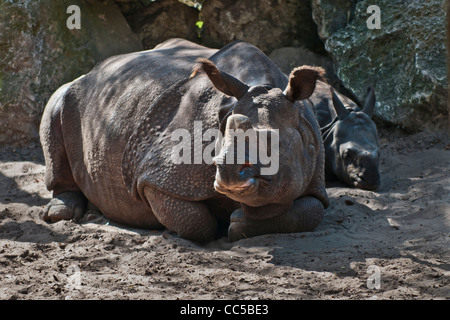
354 150
274 124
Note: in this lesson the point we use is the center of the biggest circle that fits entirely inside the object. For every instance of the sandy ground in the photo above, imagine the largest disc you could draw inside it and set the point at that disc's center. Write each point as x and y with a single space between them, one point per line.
390 244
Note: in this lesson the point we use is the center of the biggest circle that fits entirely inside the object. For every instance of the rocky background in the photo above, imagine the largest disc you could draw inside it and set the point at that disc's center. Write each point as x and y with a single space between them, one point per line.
405 59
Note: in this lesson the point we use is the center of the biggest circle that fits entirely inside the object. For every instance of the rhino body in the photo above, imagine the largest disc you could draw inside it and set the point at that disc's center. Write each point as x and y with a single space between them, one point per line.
350 137
107 139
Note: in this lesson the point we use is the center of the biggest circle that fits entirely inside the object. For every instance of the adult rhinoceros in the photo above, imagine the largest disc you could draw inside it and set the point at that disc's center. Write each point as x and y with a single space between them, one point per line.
108 138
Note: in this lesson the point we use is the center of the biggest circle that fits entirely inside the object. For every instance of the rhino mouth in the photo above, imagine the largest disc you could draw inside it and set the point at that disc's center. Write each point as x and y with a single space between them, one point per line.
249 187
244 182
364 182
243 189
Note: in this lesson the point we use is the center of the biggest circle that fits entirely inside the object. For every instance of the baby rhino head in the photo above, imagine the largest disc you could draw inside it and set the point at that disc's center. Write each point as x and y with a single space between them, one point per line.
354 149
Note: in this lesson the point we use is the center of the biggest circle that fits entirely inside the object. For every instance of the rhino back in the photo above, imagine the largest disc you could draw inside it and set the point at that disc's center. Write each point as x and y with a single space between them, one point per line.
250 65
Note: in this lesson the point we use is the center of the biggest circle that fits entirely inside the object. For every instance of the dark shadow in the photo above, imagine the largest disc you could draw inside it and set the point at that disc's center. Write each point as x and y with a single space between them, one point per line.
97 218
334 183
442 266
10 193
32 152
29 231
343 237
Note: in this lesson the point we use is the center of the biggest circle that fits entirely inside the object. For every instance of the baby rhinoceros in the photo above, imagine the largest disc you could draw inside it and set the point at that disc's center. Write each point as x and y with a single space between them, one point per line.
151 143
350 137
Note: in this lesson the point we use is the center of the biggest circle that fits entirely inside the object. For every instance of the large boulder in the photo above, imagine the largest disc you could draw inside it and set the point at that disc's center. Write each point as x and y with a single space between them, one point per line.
158 21
38 53
267 24
447 3
405 60
288 58
332 15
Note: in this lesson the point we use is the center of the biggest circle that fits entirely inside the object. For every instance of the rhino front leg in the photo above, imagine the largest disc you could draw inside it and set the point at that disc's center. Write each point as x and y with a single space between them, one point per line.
65 206
189 219
305 214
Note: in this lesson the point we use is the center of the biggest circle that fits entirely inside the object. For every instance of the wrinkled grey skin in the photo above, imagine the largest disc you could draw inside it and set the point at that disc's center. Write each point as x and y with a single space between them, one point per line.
106 138
350 137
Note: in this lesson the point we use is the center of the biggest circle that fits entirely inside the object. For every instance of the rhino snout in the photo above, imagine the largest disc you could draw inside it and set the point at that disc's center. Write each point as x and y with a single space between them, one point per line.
243 163
236 178
368 179
240 189
367 175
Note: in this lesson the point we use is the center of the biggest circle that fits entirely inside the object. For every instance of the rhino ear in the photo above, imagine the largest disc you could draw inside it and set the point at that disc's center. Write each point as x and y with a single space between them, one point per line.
302 82
224 82
369 104
339 107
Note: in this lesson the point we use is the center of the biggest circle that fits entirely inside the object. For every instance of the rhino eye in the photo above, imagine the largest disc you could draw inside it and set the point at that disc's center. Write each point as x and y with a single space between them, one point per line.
348 154
345 155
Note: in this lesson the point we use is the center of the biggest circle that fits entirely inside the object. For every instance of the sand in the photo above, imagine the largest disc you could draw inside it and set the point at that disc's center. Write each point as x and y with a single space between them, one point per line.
389 244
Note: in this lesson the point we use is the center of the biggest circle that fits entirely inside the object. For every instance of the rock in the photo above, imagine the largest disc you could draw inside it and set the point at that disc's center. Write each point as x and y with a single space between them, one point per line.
288 58
38 53
447 2
405 60
268 24
163 20
332 15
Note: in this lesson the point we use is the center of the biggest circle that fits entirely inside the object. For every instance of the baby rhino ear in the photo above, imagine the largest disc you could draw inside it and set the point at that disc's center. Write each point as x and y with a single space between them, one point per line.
302 82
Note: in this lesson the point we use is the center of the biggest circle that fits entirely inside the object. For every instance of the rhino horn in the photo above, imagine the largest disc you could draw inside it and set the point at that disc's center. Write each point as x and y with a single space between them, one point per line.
369 104
224 82
341 110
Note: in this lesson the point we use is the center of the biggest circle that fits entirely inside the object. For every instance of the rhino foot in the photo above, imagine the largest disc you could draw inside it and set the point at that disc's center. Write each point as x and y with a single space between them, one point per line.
65 206
242 227
237 226
304 215
190 220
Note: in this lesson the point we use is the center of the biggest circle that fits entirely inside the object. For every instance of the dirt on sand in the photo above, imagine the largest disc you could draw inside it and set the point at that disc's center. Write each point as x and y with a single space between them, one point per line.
389 244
